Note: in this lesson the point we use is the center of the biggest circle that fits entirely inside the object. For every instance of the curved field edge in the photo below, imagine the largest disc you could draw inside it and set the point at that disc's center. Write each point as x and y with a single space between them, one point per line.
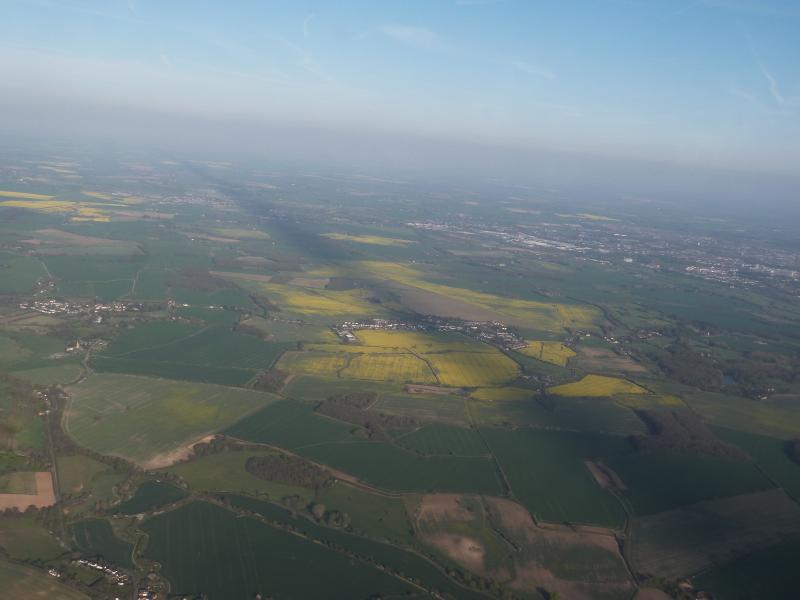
152 422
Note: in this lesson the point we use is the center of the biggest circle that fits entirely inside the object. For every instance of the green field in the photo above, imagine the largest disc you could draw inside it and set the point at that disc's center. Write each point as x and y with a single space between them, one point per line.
214 346
150 495
560 412
770 573
61 373
373 515
171 370
689 540
23 583
153 334
225 472
20 273
18 482
139 418
95 537
175 350
444 440
548 476
204 548
291 425
770 455
76 473
389 467
661 480
23 538
395 559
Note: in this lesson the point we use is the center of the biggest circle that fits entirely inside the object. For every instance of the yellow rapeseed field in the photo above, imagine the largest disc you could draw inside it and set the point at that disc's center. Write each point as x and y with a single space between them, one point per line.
597 385
389 367
318 302
472 369
554 353
312 363
81 210
418 341
376 240
538 315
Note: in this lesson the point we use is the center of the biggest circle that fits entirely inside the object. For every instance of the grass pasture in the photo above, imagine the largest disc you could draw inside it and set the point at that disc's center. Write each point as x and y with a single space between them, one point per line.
76 473
18 482
291 425
559 412
150 335
389 467
230 376
444 440
435 407
204 548
23 583
770 455
660 481
548 476
769 573
409 563
53 375
685 541
373 515
217 347
775 418
188 352
23 538
20 273
225 472
148 420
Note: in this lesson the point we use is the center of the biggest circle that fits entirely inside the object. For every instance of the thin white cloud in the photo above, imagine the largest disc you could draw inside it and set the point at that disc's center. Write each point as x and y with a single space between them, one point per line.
307 22
773 85
530 69
420 38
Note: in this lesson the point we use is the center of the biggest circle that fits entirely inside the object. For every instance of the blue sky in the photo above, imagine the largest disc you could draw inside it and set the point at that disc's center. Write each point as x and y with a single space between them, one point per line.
708 82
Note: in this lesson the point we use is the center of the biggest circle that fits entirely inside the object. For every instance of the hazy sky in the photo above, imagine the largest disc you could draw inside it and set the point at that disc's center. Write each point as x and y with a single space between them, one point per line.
708 82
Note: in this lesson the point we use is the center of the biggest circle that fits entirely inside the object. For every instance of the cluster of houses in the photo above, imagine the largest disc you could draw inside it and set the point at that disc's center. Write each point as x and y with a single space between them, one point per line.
491 332
62 307
115 575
